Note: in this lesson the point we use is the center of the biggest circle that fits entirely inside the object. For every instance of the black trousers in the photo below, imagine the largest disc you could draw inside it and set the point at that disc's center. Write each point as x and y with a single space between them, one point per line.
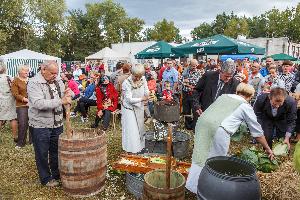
187 109
105 119
83 104
272 134
22 113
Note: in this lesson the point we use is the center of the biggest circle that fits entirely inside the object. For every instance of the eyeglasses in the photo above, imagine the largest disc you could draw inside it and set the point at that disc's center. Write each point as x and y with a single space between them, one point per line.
169 63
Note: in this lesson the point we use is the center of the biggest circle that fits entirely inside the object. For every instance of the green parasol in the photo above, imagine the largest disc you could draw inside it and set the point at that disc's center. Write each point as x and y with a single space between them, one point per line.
218 44
282 56
158 50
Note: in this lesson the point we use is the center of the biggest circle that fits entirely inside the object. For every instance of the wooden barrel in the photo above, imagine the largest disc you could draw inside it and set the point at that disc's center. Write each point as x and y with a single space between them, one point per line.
155 186
82 162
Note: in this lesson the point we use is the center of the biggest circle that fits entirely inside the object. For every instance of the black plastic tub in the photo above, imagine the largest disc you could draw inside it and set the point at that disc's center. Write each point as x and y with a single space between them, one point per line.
228 178
180 143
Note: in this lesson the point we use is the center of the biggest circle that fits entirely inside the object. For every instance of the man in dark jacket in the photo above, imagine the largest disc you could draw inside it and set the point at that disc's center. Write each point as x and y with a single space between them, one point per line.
276 113
213 84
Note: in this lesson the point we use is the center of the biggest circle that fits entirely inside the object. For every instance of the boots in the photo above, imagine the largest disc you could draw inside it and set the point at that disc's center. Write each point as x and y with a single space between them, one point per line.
97 120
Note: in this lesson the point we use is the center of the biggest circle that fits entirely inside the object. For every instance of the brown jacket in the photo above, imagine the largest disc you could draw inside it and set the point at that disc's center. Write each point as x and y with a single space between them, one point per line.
19 91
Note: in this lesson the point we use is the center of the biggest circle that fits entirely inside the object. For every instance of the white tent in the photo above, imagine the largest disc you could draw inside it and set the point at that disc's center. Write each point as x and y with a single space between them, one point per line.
25 56
109 57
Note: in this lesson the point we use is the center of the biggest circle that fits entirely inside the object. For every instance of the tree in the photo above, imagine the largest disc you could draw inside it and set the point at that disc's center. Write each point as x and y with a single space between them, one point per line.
16 31
221 21
237 26
294 29
48 18
164 30
202 31
103 24
257 26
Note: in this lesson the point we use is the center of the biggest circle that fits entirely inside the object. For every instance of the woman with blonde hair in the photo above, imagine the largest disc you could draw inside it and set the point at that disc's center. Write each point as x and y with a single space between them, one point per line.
217 124
7 102
19 91
134 94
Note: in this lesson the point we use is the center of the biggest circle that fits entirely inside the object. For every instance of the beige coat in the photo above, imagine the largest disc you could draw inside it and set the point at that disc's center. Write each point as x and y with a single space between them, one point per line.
41 106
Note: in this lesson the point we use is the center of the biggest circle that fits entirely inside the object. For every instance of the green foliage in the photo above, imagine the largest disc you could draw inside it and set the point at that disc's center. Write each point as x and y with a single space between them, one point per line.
164 30
102 24
202 31
237 26
297 157
280 149
240 133
257 26
259 159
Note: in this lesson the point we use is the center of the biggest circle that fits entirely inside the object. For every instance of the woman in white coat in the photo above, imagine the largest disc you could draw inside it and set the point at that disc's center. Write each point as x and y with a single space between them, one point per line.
217 124
134 94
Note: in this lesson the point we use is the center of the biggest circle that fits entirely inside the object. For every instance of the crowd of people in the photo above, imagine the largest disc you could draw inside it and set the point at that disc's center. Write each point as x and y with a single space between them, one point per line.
216 96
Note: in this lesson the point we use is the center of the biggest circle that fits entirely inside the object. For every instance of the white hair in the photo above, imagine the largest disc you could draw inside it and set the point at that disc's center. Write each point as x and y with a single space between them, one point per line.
138 69
21 67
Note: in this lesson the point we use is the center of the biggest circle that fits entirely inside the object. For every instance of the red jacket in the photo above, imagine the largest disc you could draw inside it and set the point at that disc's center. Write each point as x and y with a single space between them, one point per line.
112 94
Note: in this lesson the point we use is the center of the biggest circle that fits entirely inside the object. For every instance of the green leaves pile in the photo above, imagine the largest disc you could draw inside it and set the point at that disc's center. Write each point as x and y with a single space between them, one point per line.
259 159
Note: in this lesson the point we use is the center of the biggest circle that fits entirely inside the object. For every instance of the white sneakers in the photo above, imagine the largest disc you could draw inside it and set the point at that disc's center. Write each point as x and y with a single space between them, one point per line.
72 114
83 119
52 183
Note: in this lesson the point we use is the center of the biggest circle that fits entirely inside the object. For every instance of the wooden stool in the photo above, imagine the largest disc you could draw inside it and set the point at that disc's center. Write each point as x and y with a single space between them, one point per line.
114 116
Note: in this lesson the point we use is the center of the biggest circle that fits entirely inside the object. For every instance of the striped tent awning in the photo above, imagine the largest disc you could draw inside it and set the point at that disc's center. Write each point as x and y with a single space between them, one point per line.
12 65
26 57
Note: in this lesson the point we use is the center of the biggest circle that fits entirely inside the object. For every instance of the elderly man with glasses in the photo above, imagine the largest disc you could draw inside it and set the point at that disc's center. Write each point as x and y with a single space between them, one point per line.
47 95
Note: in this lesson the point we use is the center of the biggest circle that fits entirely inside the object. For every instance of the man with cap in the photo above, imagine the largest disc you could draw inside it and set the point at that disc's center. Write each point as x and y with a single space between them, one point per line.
287 76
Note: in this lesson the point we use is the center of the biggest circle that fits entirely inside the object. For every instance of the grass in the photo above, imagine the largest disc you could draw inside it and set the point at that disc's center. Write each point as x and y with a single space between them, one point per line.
19 179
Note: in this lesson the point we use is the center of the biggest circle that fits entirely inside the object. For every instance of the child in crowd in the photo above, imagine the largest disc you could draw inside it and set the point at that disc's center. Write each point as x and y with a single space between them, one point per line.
167 93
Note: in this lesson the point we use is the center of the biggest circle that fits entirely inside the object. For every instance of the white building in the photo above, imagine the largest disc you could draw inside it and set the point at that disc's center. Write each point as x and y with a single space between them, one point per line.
276 45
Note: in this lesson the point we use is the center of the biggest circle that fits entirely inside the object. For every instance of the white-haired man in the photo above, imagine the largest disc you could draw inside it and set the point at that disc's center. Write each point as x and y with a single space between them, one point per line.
47 95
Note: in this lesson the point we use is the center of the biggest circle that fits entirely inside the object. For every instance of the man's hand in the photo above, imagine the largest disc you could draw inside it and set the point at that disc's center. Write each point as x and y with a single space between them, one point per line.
199 111
68 92
100 113
145 98
66 100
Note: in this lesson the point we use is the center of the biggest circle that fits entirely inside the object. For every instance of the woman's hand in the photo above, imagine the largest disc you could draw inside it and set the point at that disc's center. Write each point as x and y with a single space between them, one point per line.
270 153
25 100
100 113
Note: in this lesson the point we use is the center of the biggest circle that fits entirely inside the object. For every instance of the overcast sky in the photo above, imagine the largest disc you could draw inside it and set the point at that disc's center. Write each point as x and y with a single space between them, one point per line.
188 14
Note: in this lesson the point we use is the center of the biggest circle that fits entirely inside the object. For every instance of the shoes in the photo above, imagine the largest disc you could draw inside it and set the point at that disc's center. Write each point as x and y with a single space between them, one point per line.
72 114
52 183
15 140
18 147
83 119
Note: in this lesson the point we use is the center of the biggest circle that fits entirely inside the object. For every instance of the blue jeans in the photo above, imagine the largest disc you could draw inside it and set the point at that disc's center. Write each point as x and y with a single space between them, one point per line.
45 143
